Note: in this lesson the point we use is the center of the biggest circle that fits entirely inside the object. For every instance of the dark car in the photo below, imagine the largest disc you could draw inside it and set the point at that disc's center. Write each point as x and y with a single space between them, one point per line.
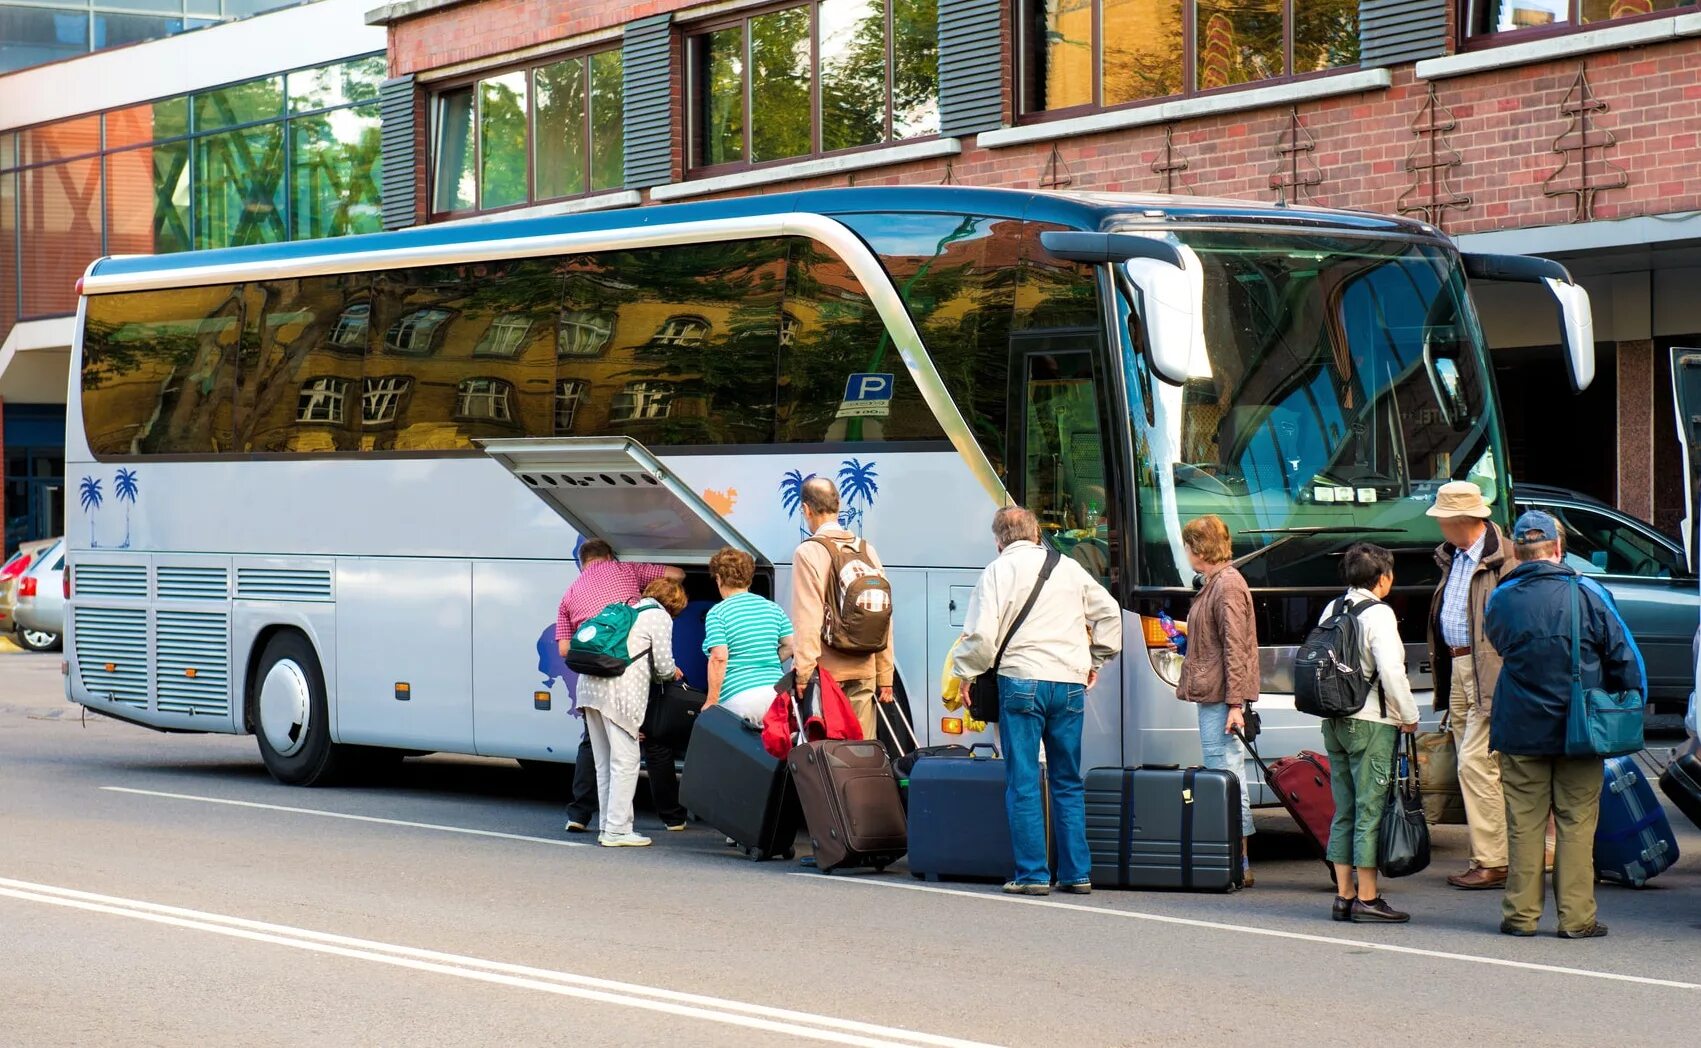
1646 572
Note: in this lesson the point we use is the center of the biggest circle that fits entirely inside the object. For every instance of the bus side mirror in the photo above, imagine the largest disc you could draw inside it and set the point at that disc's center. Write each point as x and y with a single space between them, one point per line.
1576 320
1168 299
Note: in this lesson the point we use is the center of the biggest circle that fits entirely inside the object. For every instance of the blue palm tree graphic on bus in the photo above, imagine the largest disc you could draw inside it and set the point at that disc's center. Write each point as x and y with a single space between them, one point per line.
858 485
124 488
88 494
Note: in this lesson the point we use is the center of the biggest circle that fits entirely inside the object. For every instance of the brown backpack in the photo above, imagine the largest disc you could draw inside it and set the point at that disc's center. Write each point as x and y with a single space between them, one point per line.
859 599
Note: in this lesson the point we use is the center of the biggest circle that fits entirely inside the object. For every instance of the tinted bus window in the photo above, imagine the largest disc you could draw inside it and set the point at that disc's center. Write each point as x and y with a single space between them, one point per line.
159 371
957 274
458 353
298 387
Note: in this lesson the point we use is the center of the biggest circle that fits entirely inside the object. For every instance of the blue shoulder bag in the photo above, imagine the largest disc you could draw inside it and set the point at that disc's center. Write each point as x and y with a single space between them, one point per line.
1601 723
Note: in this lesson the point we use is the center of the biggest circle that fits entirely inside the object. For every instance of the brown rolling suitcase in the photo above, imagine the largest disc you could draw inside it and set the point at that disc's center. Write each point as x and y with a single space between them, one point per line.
851 804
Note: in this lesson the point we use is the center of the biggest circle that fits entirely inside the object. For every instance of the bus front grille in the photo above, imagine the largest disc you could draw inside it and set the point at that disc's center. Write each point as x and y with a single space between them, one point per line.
192 671
112 653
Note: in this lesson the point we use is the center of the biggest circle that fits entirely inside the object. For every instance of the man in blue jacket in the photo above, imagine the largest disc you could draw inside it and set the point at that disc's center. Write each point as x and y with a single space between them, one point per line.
1528 620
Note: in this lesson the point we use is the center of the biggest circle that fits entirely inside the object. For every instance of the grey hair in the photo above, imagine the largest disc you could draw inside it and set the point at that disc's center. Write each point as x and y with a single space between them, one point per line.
1014 524
819 495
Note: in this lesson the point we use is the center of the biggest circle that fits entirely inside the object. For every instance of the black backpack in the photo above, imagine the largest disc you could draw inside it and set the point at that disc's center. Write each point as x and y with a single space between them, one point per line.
1327 678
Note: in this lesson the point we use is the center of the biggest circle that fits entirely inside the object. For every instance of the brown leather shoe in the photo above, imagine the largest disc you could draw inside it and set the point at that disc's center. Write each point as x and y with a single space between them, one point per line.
1478 878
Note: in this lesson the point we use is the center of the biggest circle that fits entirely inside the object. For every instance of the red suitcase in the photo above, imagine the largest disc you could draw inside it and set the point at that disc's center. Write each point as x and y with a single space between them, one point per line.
1301 783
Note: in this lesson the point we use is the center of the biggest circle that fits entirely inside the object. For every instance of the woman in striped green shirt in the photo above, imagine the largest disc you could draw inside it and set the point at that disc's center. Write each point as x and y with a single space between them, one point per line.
746 636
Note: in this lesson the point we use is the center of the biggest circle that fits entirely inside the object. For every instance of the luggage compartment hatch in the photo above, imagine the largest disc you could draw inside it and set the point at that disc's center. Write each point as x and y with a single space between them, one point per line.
613 488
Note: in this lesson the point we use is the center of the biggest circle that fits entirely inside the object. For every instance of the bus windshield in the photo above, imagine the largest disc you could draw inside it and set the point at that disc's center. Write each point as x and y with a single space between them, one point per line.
1342 380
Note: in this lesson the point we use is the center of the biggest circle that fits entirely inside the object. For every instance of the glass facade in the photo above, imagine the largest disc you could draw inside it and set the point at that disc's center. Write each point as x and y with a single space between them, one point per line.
1487 17
46 31
291 156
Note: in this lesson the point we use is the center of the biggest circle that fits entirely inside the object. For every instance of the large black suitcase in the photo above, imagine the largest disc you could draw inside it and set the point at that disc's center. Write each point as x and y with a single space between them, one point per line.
1164 828
1681 781
737 787
851 808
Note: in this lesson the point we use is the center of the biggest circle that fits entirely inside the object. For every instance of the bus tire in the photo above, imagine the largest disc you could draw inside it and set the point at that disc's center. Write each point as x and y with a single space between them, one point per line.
292 721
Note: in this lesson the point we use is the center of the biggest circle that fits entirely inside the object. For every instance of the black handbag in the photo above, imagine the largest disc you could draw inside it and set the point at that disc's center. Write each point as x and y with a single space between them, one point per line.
983 696
672 714
1402 844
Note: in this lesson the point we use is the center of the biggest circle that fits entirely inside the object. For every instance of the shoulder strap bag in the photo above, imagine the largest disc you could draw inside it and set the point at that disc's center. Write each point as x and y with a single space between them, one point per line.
1599 723
983 697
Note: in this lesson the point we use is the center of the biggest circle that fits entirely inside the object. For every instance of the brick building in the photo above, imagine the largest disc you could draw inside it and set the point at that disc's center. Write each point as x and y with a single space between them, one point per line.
1566 128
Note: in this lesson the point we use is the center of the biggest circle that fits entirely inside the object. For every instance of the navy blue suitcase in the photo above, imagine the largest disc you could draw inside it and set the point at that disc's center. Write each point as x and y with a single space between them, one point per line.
958 825
1633 841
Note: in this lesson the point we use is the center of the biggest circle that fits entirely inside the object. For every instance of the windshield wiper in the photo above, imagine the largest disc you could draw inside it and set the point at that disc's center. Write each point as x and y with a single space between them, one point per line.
1290 534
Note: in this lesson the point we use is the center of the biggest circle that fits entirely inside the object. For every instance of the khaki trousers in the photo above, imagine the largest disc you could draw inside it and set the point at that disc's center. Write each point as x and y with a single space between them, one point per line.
1570 788
861 696
1479 772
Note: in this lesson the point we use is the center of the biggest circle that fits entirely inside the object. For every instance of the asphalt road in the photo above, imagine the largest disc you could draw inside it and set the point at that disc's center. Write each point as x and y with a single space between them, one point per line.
160 889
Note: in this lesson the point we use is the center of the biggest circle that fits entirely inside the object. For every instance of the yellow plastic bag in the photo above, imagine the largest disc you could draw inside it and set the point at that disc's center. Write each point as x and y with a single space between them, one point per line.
951 691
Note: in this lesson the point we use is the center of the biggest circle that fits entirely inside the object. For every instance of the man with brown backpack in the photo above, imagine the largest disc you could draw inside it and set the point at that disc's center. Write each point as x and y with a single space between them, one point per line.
841 606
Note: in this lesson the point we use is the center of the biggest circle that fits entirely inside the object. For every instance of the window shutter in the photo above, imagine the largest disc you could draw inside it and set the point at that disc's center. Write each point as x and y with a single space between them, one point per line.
1393 31
399 180
971 66
647 59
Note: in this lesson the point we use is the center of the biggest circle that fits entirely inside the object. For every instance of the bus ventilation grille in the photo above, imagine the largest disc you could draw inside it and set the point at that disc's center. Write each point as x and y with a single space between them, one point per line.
112 653
111 580
283 584
183 583
192 674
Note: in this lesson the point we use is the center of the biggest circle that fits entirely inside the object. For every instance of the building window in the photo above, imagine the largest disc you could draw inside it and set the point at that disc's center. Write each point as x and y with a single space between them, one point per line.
642 400
542 133
1076 54
568 393
505 336
490 399
816 78
681 331
350 332
381 398
416 332
322 400
583 334
1490 17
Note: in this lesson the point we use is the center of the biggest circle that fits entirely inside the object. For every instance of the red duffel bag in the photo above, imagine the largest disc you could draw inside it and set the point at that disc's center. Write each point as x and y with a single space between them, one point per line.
825 712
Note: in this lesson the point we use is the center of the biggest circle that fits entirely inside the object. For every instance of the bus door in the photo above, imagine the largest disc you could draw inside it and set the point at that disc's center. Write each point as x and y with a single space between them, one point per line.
1061 472
615 489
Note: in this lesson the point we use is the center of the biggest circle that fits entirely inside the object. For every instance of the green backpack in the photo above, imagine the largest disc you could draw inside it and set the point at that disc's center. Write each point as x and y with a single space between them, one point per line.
598 647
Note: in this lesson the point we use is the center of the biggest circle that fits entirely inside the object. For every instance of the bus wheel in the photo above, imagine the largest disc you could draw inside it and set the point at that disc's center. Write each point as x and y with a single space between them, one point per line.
292 719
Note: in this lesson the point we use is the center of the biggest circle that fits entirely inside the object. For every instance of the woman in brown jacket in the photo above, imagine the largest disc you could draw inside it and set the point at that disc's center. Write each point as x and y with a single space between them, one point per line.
1220 672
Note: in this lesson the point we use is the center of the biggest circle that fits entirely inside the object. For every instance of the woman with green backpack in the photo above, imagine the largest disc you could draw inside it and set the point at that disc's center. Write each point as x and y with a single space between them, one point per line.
614 706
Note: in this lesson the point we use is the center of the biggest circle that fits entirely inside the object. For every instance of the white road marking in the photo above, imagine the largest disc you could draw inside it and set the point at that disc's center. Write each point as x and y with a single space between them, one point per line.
1246 929
631 995
346 815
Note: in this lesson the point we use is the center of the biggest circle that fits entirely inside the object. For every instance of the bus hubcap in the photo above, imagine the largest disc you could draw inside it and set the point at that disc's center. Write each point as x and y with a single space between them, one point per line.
286 703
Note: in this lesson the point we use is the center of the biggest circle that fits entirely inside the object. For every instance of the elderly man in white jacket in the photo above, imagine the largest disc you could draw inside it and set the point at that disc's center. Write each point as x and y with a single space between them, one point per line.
1049 660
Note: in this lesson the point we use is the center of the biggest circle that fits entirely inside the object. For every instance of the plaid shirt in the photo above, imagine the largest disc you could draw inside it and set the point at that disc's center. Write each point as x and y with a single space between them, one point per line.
599 585
1455 599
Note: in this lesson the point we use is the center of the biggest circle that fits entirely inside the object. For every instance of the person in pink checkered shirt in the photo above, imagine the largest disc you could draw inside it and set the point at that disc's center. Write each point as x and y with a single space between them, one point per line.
603 581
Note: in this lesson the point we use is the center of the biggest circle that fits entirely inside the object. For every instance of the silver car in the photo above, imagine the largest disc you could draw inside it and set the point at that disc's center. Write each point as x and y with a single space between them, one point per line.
38 605
27 556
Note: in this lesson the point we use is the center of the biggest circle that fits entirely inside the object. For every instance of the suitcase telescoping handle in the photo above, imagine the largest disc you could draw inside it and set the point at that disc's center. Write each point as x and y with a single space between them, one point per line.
915 743
1253 750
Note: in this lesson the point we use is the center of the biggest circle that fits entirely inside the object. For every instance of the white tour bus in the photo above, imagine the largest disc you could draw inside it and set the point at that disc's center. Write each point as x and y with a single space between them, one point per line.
328 493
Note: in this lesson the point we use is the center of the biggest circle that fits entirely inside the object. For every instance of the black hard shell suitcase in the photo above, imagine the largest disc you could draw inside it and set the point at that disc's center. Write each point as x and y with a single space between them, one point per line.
1681 781
737 787
1164 828
851 807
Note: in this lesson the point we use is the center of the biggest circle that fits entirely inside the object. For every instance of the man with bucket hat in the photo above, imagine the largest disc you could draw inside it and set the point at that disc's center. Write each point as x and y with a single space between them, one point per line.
1474 558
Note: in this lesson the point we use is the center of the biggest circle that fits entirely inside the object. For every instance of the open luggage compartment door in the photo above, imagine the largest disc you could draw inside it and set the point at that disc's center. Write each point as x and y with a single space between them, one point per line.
614 489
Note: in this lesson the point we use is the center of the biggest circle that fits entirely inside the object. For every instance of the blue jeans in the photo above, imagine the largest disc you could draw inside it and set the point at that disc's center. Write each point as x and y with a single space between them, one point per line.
1224 751
1031 712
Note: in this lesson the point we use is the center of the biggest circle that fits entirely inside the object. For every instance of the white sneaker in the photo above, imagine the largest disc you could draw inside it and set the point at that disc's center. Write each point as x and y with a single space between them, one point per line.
623 840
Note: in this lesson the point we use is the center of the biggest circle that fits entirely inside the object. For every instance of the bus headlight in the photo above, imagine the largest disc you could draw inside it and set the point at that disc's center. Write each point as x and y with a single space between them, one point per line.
1166 661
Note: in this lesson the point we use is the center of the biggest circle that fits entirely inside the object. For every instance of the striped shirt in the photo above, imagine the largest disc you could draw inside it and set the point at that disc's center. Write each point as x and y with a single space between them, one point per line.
1456 598
751 628
599 585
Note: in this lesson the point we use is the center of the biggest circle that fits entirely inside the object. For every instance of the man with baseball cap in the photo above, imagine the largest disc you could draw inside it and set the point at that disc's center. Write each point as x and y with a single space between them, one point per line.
1473 560
1529 619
